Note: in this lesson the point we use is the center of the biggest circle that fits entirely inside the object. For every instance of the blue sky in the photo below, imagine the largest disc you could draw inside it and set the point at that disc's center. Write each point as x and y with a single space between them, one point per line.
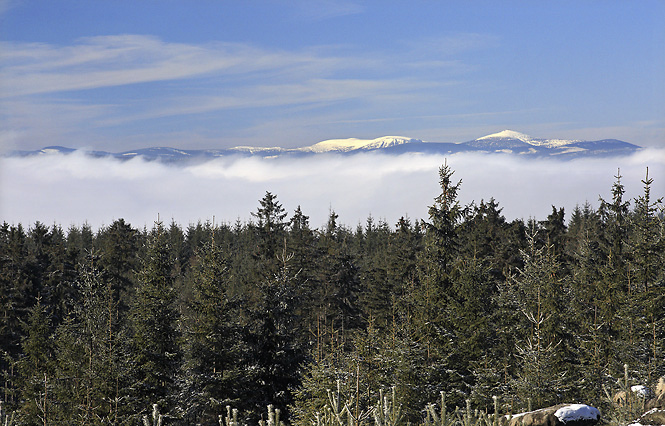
119 74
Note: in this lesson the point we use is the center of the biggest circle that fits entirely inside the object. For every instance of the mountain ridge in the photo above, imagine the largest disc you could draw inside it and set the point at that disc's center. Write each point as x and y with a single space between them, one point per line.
504 142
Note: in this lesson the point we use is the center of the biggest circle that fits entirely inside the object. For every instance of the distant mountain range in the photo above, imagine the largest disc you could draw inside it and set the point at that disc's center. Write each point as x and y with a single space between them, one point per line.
505 142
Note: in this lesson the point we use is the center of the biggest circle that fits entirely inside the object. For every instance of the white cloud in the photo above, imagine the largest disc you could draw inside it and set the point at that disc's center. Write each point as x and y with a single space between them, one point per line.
106 61
74 189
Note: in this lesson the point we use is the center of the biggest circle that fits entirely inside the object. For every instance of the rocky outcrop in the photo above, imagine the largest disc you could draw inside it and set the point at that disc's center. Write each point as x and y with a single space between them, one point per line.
558 415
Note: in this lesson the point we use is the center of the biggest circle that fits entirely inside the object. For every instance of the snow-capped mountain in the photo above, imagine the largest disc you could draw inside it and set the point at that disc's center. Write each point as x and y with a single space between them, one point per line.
505 142
353 144
512 142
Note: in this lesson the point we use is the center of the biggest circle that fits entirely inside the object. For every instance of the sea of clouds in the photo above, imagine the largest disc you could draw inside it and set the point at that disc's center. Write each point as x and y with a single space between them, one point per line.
75 189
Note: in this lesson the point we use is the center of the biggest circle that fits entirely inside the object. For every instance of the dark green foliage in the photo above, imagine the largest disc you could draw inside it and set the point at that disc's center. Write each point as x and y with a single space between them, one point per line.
36 366
95 328
88 352
154 348
540 299
275 353
270 232
118 251
337 281
432 294
212 377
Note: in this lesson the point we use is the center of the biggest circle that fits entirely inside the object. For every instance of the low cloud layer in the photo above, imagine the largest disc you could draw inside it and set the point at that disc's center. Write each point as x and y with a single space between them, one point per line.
74 189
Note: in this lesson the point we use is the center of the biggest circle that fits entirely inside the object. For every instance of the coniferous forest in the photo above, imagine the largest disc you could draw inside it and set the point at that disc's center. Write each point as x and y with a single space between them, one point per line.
456 309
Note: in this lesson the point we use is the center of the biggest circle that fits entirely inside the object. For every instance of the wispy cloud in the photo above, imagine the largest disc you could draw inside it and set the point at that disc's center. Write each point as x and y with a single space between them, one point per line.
96 62
74 189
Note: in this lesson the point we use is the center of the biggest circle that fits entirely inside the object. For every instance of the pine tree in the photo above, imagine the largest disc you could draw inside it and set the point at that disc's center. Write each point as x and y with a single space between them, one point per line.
487 237
302 244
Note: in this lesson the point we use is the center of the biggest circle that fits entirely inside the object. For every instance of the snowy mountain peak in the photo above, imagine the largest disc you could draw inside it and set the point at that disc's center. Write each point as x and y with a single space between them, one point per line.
508 134
538 142
352 144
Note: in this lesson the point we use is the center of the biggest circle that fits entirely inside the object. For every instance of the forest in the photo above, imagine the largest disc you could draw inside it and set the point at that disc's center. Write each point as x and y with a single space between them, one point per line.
463 308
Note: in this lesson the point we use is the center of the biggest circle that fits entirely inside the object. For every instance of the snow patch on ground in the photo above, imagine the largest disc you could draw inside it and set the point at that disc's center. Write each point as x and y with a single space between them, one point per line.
574 412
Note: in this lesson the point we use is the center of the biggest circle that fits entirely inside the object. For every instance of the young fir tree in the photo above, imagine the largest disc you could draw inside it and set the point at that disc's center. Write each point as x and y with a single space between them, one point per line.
646 244
155 353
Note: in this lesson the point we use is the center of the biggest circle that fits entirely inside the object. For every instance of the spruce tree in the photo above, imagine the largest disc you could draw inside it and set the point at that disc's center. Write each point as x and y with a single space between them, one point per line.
213 348
88 351
540 298
431 297
302 244
36 367
336 297
118 246
15 300
594 307
155 353
614 215
646 247
270 230
275 356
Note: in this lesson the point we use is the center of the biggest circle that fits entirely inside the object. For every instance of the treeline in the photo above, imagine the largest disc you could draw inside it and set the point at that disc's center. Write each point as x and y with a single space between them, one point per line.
96 326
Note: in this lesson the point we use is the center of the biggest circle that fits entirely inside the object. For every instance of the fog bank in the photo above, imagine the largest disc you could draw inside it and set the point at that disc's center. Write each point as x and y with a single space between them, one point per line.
74 189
